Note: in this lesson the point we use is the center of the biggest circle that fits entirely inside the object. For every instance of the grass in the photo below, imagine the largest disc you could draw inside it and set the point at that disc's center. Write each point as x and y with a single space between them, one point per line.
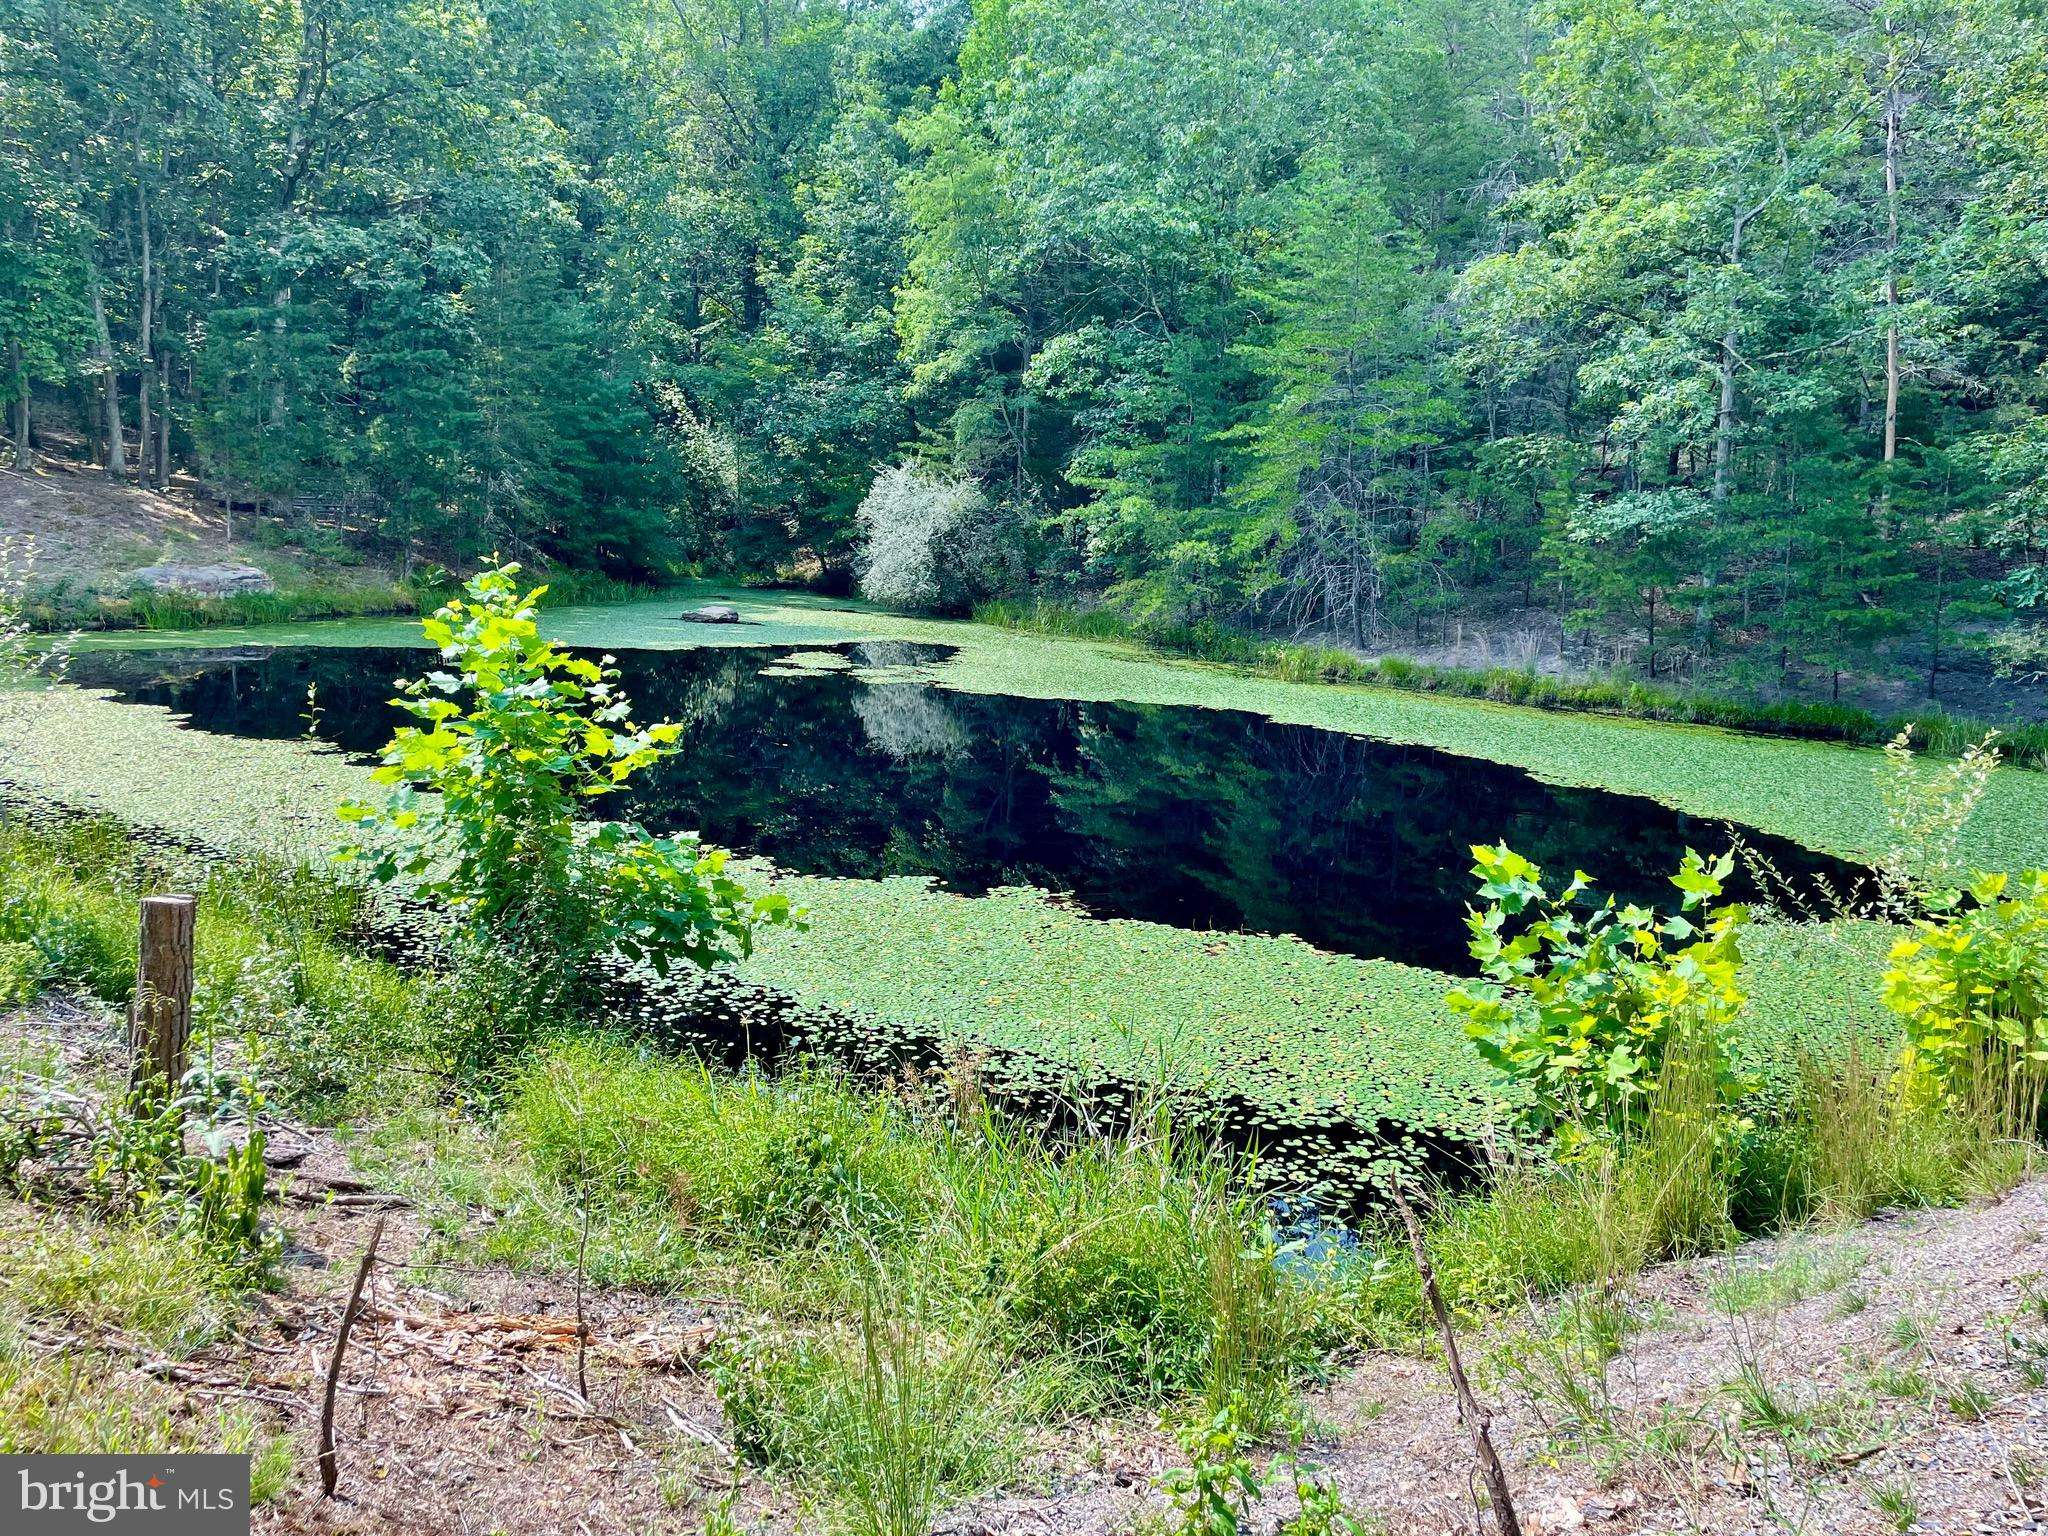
1938 731
69 1287
1897 1501
1798 1276
1118 1262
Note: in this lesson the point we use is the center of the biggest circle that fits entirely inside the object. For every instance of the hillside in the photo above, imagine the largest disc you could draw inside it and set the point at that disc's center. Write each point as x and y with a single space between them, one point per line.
92 536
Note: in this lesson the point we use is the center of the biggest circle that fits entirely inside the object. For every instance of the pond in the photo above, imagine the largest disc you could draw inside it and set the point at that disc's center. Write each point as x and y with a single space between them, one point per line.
850 763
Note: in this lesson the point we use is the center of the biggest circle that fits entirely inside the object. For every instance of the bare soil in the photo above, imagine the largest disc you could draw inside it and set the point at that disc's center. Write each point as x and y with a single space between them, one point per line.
1788 1386
91 532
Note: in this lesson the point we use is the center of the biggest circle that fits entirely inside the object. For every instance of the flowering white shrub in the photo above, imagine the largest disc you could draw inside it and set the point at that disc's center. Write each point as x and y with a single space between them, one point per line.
930 542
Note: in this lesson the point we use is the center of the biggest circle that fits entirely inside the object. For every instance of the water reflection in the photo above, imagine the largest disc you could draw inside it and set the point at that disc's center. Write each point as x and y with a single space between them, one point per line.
1206 819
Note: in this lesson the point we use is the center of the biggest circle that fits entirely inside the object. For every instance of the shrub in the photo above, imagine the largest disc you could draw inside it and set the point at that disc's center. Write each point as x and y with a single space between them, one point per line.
932 544
1583 1007
1925 812
514 736
1972 987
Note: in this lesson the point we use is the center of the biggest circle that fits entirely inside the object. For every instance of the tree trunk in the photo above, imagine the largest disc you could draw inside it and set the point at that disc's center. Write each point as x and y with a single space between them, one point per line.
24 452
103 352
163 420
146 437
1894 114
1724 417
278 306
1934 648
144 371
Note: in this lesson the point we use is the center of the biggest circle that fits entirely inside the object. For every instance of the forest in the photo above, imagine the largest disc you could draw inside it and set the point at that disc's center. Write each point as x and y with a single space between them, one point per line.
1710 330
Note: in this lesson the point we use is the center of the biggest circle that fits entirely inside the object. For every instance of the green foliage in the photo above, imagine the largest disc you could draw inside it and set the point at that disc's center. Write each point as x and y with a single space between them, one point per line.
22 972
1328 321
890 1419
1588 1011
136 1164
516 735
1142 1266
1213 1494
1972 987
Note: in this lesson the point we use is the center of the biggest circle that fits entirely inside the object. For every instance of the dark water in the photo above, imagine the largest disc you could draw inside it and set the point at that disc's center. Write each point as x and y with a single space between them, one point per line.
1205 819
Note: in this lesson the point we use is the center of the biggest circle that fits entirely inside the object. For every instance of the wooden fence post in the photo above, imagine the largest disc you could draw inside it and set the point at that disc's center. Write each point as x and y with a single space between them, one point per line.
160 1023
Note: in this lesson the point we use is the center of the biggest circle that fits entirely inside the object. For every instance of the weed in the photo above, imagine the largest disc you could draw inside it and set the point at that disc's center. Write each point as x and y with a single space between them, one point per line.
1968 1400
1897 1501
1794 1278
1908 1382
1213 1494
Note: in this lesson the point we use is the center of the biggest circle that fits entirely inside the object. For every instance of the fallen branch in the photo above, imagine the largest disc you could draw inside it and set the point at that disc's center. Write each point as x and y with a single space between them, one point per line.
330 1467
1477 1419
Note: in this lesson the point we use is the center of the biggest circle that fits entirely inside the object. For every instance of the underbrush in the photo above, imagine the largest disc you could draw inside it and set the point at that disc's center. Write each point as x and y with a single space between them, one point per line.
1127 1268
280 971
1936 730
928 1282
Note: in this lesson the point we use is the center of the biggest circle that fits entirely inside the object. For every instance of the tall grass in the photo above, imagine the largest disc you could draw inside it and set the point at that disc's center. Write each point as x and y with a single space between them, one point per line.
1936 730
1141 1264
1847 1146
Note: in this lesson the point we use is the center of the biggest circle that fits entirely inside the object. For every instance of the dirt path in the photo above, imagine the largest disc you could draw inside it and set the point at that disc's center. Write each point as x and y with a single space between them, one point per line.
1797 1385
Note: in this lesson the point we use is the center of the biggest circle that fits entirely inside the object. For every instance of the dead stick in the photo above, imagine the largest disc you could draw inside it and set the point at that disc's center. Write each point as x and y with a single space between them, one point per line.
330 1468
582 1248
1476 1418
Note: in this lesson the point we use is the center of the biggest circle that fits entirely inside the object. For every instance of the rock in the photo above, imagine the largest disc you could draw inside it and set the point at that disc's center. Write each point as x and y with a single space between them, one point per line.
711 613
1560 1516
203 580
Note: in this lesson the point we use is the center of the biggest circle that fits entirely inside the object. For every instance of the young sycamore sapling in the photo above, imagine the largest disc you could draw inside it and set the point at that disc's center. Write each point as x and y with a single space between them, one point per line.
1583 1003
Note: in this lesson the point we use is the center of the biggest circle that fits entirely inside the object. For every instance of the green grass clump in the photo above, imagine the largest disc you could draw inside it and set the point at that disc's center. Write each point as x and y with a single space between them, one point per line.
1842 1146
891 1413
1140 1264
774 1164
58 1272
60 1275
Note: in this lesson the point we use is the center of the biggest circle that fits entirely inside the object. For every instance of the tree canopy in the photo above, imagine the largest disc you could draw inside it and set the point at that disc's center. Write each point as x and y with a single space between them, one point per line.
1714 327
